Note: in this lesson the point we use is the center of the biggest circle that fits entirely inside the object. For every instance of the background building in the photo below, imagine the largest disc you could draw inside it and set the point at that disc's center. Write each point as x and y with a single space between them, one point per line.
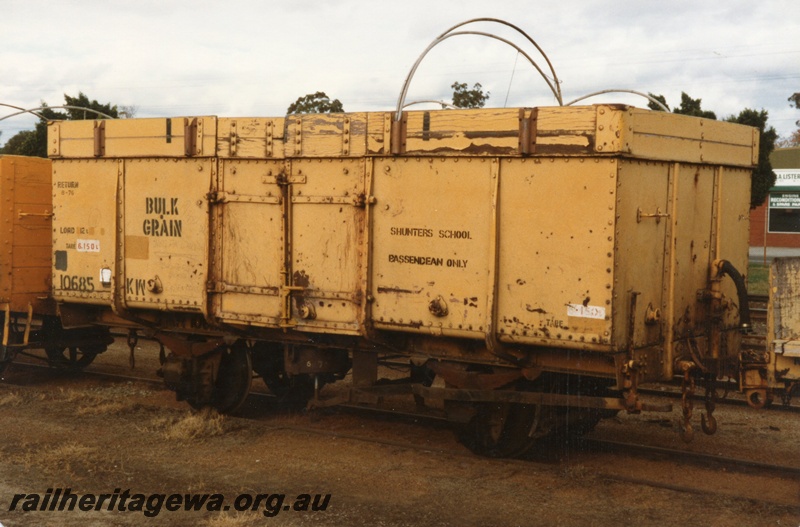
775 225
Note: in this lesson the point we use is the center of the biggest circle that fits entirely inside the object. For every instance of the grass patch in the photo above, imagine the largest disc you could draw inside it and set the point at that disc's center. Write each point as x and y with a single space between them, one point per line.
103 400
104 408
196 425
11 399
231 520
577 472
758 279
71 459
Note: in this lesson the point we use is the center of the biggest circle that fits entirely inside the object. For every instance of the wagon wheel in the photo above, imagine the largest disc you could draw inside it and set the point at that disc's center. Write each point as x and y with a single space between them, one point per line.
232 386
294 391
501 429
7 353
5 358
786 396
71 358
291 390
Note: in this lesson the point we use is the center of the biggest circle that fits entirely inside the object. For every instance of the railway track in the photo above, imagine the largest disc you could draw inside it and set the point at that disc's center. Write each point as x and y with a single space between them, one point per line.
713 461
586 458
595 461
569 454
673 392
418 450
577 456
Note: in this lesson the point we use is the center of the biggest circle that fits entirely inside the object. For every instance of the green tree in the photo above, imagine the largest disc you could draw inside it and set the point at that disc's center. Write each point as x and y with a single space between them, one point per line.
22 144
688 106
763 176
794 137
660 98
83 101
463 97
315 103
692 107
34 142
795 100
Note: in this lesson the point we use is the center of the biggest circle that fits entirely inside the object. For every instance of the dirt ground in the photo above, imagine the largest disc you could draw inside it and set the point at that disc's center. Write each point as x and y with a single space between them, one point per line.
95 436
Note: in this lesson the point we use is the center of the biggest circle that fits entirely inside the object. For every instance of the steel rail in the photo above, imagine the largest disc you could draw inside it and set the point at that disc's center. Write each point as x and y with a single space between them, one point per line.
538 457
729 463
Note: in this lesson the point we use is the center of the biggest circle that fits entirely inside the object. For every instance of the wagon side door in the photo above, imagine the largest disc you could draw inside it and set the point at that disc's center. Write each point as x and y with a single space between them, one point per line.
327 244
250 238
166 229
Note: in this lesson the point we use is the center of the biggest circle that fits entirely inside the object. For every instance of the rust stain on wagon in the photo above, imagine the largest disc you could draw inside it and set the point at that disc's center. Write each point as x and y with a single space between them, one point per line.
398 290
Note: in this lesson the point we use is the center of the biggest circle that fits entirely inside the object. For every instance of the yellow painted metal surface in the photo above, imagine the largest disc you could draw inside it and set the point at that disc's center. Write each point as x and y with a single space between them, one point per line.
249 242
290 236
428 248
328 233
166 243
85 233
531 229
25 223
556 251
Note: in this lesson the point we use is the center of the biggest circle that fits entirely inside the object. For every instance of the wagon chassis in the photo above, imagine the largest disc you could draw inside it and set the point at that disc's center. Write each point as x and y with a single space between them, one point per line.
72 348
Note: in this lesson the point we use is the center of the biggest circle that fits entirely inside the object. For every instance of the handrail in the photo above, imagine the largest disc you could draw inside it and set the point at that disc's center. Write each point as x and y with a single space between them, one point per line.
554 86
621 90
67 107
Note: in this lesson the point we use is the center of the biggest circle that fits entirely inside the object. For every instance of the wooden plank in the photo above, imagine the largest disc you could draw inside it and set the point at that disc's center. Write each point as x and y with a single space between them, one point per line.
326 135
379 133
74 138
157 137
251 138
661 135
487 132
688 127
689 150
716 153
565 120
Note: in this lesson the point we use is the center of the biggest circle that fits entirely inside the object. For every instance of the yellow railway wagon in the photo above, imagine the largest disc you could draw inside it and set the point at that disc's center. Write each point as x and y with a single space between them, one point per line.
507 251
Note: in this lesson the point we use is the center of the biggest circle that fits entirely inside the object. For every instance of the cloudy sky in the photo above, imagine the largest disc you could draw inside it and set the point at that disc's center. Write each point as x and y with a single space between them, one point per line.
254 58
